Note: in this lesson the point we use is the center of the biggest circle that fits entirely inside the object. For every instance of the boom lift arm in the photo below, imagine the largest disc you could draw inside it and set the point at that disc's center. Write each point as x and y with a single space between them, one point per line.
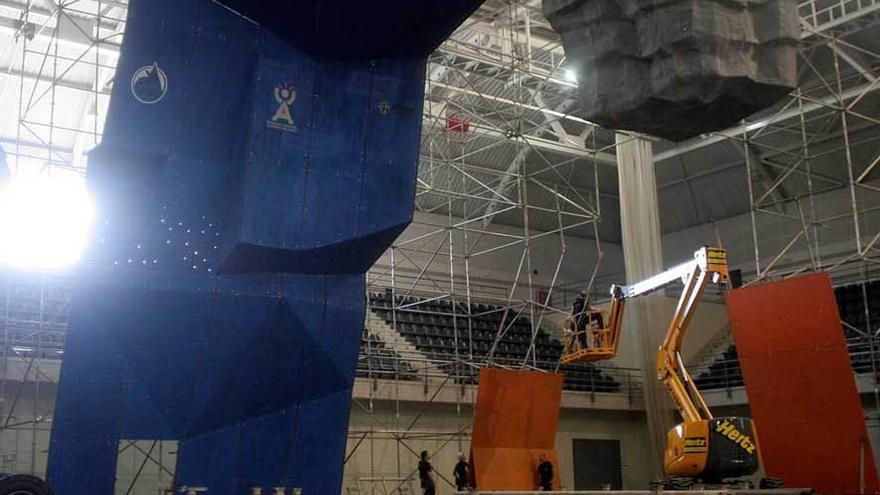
709 265
701 446
607 338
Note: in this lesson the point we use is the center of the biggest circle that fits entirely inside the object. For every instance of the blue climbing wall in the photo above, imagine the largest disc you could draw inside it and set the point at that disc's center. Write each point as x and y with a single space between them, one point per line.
253 167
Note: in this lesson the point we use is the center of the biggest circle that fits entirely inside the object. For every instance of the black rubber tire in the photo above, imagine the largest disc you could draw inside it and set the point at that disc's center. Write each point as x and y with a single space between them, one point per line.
771 483
678 484
22 484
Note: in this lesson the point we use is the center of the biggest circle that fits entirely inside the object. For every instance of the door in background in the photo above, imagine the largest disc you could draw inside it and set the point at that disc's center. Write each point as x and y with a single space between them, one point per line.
596 463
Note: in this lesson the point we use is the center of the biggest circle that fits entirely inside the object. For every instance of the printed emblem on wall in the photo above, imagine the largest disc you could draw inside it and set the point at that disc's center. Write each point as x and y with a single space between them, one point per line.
282 119
149 84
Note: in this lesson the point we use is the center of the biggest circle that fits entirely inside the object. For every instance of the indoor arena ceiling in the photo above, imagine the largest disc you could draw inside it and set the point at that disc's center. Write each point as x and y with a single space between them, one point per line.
501 118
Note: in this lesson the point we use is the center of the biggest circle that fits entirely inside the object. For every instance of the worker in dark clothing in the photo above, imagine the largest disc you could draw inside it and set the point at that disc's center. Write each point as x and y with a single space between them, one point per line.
462 473
593 325
426 475
596 322
545 474
579 318
595 317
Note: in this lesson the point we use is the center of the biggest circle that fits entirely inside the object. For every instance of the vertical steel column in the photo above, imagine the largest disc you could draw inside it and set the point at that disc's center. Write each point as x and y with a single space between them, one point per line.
848 151
752 206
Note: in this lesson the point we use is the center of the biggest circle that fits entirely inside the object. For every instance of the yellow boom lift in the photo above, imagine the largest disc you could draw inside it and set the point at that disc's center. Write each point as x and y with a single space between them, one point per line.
701 446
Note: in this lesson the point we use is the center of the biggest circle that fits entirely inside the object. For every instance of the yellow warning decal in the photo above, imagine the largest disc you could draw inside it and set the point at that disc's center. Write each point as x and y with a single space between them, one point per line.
716 255
694 445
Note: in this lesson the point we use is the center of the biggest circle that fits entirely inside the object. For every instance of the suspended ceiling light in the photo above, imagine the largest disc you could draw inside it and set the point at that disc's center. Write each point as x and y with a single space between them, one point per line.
45 221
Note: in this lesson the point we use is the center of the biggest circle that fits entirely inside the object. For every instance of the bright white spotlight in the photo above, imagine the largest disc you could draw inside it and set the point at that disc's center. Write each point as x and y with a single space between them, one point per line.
45 221
571 76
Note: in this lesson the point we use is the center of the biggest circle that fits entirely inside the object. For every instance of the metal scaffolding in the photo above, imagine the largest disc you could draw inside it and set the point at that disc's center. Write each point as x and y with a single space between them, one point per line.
506 180
59 68
516 204
57 61
34 321
59 64
811 165
498 92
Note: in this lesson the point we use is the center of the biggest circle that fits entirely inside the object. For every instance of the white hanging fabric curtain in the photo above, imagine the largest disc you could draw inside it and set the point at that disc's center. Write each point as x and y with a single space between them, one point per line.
647 318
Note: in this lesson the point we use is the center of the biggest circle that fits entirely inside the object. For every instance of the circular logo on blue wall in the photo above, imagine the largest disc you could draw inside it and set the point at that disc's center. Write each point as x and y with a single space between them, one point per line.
149 84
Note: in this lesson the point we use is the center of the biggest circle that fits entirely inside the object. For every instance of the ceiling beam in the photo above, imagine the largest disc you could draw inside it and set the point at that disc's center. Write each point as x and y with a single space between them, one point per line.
536 108
66 38
13 74
735 132
851 60
433 114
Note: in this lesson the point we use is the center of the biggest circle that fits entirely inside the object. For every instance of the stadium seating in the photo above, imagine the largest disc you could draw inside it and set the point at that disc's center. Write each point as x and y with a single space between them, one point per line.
437 328
722 373
376 360
851 302
725 372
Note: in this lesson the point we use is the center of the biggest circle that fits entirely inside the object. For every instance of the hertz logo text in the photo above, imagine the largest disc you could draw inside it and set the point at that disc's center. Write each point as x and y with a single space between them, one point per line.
716 255
694 442
727 429
694 445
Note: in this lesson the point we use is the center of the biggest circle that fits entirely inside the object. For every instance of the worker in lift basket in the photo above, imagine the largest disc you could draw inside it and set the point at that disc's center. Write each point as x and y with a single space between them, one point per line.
545 474
426 475
579 318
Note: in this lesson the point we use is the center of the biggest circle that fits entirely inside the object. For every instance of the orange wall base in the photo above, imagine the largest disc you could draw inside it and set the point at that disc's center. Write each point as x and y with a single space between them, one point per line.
517 413
800 384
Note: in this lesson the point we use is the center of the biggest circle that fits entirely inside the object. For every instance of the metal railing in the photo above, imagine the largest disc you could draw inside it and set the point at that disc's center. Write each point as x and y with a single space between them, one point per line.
826 14
464 370
724 372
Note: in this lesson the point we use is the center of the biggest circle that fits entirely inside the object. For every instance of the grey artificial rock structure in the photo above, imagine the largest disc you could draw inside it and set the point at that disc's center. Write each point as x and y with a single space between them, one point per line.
678 68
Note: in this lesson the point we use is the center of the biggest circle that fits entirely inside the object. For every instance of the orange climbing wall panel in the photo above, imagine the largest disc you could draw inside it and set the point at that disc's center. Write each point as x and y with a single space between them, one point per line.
516 418
800 384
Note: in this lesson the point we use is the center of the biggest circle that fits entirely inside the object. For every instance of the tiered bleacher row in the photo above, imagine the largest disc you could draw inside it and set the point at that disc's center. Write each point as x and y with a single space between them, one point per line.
851 303
376 360
432 326
35 320
725 372
33 314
